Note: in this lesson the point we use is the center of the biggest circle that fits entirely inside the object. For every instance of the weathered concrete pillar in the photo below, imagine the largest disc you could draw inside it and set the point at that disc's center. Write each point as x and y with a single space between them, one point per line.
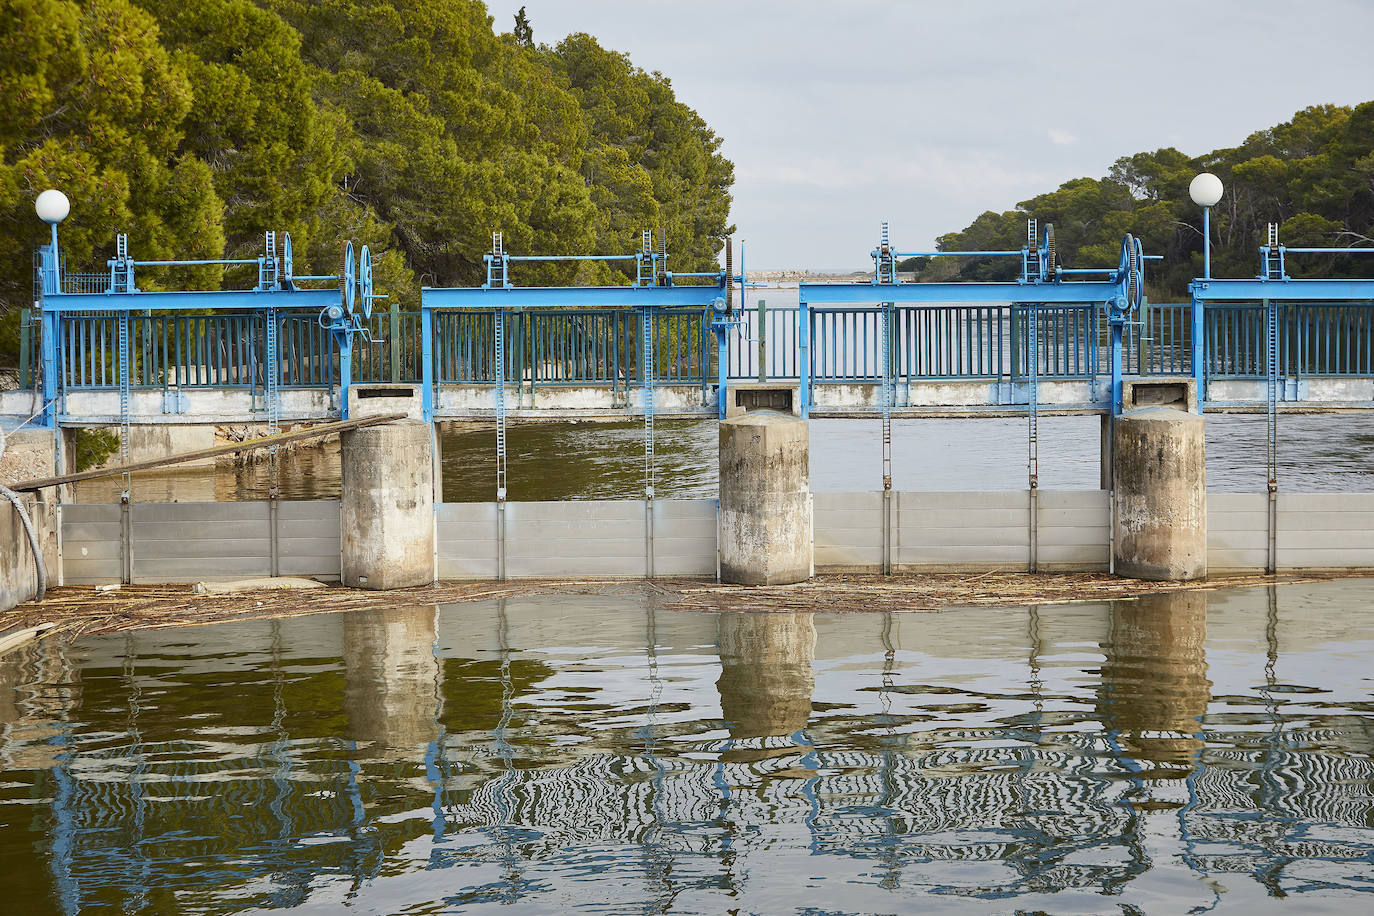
388 506
1159 471
765 499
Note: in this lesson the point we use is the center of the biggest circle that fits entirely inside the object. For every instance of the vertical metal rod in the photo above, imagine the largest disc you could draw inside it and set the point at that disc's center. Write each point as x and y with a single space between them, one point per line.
1272 429
804 357
1033 438
272 384
1206 243
499 339
763 341
426 362
649 458
25 338
887 399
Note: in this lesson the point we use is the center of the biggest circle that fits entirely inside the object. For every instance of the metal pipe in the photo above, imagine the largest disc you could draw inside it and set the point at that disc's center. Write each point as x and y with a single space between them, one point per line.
56 261
571 257
1206 243
133 263
936 254
1328 250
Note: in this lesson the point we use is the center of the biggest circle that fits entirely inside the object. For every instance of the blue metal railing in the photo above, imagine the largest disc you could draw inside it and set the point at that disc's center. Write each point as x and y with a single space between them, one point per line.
603 347
194 351
1315 339
956 342
581 347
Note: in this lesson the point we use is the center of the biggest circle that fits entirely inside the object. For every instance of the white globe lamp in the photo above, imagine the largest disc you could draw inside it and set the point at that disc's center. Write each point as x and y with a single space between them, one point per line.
1205 190
52 206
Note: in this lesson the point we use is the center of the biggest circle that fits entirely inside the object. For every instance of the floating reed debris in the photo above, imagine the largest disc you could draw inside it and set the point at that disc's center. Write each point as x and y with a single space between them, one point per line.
83 610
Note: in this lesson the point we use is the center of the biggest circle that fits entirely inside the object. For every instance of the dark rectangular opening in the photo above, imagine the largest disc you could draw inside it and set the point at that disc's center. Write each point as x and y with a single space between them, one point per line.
386 392
1162 394
764 399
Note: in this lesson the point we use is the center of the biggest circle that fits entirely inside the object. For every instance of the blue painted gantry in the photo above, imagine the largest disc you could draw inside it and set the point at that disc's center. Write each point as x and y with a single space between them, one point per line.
655 288
1043 283
342 306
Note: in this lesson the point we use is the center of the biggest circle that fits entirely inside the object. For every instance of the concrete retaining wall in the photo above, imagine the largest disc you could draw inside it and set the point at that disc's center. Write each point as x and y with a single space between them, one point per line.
18 575
179 542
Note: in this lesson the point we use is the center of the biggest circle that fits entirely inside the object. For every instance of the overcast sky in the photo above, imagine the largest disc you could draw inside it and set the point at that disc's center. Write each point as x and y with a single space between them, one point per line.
843 113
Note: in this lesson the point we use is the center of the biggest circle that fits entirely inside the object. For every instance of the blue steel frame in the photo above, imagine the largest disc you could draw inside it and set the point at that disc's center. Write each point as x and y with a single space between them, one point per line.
340 308
1041 283
654 289
1272 287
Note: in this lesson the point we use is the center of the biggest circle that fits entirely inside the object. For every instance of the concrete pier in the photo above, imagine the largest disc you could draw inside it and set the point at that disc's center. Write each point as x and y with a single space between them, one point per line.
1159 472
387 513
765 499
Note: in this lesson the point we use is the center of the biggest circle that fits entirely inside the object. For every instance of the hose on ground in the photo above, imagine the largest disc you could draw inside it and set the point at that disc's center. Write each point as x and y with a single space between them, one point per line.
17 501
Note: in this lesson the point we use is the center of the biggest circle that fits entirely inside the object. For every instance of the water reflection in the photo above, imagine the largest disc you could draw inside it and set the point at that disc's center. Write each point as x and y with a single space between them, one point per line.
1154 689
765 681
392 679
1162 755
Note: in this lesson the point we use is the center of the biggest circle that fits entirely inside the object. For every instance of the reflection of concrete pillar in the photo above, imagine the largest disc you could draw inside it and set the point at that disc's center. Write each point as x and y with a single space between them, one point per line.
1155 677
765 678
392 677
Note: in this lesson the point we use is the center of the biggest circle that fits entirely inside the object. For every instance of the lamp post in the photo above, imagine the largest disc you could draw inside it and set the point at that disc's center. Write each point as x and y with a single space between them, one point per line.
1205 191
52 208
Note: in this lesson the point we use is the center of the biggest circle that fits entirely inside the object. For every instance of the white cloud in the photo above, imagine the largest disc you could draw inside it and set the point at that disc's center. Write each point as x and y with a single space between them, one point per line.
1061 137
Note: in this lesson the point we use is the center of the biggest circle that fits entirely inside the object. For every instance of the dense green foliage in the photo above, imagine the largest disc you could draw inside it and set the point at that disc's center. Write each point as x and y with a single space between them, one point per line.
1314 175
408 125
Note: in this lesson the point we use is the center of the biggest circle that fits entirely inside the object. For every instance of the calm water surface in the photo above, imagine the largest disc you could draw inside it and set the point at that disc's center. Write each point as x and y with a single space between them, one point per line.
590 460
601 752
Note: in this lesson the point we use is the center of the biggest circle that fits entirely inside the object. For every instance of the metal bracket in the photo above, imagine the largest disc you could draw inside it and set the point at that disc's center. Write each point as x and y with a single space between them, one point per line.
1011 393
175 401
1294 389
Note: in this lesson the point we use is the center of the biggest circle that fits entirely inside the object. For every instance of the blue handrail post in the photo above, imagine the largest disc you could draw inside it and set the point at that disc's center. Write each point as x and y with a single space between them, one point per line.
50 284
426 361
803 356
1199 352
722 371
345 342
48 342
1118 326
